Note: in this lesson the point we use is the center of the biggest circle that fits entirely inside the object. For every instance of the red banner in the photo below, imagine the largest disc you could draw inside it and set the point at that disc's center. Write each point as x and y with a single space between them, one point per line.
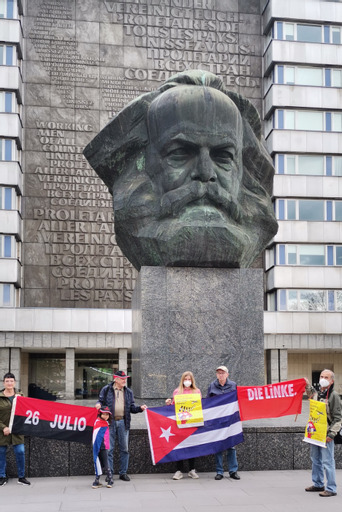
52 420
271 401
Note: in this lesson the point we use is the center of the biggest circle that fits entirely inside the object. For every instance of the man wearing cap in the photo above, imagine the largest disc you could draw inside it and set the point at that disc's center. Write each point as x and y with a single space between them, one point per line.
222 384
120 401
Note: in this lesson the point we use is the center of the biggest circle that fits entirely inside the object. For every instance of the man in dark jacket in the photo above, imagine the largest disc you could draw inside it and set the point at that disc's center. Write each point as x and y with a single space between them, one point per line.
120 401
223 385
323 458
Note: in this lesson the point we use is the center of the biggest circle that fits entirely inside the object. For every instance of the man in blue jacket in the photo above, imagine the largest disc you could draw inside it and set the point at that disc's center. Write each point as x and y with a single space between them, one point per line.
120 401
223 385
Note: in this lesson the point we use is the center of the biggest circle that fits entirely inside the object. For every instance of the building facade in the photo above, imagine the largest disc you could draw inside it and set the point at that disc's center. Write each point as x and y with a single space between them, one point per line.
66 68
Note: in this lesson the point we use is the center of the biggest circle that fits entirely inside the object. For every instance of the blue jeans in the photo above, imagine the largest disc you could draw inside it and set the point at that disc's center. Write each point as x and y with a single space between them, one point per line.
19 452
323 460
232 462
117 428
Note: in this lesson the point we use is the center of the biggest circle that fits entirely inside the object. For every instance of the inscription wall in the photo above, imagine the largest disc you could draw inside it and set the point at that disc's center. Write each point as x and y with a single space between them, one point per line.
85 60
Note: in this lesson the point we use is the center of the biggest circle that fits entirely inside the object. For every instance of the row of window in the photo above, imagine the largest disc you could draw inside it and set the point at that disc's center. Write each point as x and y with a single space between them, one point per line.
307 120
314 165
306 255
308 209
305 300
298 75
306 33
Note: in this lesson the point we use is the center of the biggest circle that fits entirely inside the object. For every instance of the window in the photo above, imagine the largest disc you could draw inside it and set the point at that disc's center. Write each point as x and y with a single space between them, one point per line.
47 376
310 210
7 295
336 78
7 55
337 122
306 33
310 165
307 120
7 9
7 102
302 300
309 33
7 198
305 300
7 246
306 255
289 31
336 35
92 372
300 75
300 120
7 150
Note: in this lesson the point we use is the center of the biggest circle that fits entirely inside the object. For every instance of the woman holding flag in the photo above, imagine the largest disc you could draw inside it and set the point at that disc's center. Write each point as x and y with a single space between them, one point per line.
187 385
6 438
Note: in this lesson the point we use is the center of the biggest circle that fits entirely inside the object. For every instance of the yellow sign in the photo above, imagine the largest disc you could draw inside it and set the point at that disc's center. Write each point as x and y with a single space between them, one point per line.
317 426
189 410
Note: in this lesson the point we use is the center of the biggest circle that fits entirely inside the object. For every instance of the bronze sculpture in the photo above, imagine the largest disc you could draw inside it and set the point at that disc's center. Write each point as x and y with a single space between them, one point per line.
190 178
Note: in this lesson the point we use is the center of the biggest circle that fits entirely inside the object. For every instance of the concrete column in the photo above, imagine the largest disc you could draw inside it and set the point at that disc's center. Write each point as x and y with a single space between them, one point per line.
123 359
4 361
70 373
15 364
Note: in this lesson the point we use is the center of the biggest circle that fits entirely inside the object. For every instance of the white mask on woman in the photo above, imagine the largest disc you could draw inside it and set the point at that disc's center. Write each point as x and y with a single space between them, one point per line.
187 383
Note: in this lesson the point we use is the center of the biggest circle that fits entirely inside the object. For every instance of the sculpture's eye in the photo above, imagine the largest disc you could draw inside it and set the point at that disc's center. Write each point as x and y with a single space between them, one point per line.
222 155
180 153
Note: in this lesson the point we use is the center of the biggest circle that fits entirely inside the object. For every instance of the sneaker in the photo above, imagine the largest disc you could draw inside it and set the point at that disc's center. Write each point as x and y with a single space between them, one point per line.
193 474
327 494
23 481
110 483
96 484
313 488
178 475
218 476
3 481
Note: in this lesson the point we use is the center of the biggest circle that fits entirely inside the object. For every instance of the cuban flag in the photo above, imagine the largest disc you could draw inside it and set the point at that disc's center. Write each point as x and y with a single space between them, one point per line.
100 434
222 429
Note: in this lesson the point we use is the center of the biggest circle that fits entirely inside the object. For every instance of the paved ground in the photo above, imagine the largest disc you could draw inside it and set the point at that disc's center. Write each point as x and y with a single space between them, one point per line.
259 491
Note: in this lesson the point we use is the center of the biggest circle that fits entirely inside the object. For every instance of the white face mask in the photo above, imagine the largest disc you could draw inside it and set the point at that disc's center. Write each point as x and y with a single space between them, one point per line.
187 383
324 383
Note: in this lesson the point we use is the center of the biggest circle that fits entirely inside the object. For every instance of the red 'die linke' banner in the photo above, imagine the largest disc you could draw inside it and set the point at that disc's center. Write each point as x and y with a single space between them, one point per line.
271 401
52 420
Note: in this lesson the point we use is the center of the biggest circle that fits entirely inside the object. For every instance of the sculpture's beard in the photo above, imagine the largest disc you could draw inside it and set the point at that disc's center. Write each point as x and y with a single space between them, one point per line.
200 194
199 224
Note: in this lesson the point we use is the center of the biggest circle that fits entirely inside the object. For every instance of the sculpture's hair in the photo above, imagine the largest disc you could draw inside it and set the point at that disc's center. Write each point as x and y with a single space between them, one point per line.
126 137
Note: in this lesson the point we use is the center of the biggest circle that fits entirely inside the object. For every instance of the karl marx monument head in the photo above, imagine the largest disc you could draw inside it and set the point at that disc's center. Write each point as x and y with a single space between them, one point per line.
190 178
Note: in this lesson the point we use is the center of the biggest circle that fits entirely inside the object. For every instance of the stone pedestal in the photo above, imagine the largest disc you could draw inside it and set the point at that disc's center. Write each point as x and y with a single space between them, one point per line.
196 319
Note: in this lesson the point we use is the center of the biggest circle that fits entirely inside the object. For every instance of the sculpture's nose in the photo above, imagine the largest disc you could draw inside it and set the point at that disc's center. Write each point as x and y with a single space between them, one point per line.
204 169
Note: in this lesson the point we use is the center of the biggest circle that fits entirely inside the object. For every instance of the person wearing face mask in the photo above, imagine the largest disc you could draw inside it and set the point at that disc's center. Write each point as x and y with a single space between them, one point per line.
222 384
187 385
323 458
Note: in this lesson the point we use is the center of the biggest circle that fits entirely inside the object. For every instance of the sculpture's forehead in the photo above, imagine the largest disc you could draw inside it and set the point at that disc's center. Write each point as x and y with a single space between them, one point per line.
193 108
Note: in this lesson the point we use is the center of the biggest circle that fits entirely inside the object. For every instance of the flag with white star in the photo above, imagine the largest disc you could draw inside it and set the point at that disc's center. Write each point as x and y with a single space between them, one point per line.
222 429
